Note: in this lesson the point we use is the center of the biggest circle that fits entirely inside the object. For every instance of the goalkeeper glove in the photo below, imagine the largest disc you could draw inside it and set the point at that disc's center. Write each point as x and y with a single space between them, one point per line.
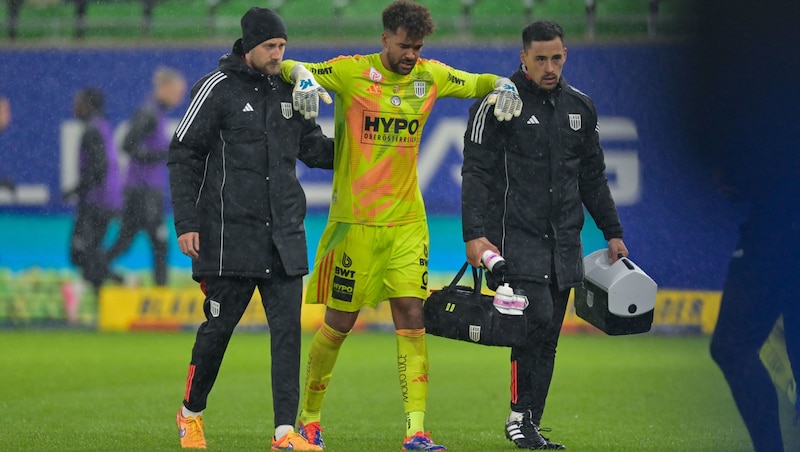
505 99
307 92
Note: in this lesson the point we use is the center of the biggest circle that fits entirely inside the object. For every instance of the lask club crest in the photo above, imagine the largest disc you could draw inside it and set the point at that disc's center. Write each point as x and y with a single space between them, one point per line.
575 122
475 333
419 88
286 110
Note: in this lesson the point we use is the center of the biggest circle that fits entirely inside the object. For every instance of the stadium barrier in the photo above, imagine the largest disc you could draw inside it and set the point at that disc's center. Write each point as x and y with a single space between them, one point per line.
39 297
125 309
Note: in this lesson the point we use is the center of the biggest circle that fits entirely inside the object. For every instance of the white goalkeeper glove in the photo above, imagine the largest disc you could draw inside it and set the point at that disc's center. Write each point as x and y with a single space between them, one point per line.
307 92
505 99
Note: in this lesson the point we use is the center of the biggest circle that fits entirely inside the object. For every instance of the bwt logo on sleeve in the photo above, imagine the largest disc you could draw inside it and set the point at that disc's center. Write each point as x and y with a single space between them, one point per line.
322 70
453 79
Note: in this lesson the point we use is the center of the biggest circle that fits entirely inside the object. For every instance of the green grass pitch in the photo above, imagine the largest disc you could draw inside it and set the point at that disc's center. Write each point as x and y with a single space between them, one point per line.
67 390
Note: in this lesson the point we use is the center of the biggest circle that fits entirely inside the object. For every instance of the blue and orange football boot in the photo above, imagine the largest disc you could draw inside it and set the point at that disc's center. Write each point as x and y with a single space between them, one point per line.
421 441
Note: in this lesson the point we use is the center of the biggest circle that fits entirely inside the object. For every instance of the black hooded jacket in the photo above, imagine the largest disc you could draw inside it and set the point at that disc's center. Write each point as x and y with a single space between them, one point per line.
525 182
232 171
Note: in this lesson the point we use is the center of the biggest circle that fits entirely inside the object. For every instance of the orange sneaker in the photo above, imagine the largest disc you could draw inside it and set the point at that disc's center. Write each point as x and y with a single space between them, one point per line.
292 441
191 431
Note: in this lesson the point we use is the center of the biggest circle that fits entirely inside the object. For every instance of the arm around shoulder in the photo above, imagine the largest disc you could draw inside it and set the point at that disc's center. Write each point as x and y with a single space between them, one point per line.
306 93
316 149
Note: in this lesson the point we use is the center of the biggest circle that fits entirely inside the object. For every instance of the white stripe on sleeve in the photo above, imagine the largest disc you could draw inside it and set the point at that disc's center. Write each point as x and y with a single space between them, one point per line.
197 102
479 122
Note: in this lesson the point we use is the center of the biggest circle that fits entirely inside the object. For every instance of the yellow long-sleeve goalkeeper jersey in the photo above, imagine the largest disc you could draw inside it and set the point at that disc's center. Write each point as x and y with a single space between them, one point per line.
379 116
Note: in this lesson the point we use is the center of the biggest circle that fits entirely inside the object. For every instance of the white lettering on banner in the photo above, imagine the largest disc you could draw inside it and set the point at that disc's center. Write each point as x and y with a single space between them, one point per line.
617 129
448 134
622 165
24 195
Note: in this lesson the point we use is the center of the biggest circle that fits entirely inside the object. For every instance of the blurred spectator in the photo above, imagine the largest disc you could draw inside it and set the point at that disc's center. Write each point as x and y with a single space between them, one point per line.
746 97
147 16
147 143
98 190
13 18
6 183
5 113
80 18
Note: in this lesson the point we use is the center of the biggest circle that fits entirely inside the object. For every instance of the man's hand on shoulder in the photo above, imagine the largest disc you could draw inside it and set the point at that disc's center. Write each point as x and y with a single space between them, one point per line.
506 100
307 92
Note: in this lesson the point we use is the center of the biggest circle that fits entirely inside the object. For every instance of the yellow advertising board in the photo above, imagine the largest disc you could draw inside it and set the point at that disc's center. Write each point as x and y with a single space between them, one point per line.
122 308
683 311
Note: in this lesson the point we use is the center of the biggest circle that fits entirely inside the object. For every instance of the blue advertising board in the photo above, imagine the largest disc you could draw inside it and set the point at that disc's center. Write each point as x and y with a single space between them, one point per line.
676 226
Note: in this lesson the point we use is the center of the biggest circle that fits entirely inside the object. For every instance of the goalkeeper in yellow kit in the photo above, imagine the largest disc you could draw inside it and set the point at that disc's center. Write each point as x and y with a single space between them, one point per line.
375 245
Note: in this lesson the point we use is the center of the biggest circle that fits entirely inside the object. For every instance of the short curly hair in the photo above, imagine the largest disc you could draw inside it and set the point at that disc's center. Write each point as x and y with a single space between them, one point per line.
414 18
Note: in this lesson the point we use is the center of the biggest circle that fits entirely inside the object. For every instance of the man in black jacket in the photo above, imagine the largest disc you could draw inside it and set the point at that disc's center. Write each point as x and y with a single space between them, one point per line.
525 183
239 212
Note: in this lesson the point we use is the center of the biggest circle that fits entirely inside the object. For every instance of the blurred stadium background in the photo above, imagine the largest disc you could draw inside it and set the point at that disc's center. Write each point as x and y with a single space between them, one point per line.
54 22
114 43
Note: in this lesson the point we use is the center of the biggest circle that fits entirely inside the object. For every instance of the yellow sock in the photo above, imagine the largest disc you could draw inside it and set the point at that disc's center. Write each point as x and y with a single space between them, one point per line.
412 365
321 358
415 422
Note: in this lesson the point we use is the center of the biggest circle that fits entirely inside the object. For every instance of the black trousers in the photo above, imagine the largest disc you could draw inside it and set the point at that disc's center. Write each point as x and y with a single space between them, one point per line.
532 363
761 285
226 300
144 211
85 250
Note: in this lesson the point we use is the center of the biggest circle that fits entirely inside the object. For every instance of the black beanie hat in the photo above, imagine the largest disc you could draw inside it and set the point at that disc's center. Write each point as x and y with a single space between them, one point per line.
259 25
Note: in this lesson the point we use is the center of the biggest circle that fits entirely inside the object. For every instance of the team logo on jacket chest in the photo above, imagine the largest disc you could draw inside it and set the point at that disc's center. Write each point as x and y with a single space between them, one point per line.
575 121
286 110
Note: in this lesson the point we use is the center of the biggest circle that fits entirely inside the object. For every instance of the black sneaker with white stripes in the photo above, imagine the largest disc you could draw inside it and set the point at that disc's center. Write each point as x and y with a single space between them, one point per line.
525 434
550 444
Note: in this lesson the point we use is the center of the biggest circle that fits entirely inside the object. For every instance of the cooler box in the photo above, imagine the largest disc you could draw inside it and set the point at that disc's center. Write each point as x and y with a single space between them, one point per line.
618 299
